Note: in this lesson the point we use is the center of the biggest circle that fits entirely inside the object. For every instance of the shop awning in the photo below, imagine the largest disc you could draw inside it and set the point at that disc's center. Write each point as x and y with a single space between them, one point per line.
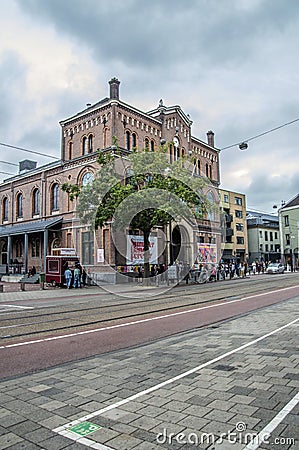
33 226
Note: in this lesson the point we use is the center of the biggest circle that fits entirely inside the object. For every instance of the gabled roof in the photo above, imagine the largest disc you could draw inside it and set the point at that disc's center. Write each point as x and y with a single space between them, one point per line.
293 202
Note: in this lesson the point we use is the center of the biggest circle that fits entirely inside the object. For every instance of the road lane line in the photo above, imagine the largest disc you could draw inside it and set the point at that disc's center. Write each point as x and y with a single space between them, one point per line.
136 322
265 433
63 428
16 306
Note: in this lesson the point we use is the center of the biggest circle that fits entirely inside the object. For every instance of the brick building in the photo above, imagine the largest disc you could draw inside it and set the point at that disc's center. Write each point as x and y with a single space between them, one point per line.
37 216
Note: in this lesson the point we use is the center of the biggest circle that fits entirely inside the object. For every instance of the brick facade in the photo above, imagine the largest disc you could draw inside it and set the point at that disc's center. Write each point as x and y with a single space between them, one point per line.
38 191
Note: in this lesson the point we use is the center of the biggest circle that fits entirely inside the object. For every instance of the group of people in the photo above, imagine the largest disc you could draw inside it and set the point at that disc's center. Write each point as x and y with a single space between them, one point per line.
78 276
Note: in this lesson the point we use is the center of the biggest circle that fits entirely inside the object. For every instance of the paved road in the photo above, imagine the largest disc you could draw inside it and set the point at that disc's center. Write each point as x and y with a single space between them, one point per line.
97 327
235 380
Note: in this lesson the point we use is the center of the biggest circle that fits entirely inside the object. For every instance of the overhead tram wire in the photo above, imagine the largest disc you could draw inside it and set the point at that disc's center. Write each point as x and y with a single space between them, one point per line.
259 135
29 151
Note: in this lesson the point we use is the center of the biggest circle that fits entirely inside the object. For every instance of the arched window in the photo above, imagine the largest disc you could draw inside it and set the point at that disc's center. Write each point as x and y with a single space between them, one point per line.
146 144
198 167
152 146
5 209
134 140
70 150
55 197
90 143
35 202
19 205
128 140
210 171
84 144
207 170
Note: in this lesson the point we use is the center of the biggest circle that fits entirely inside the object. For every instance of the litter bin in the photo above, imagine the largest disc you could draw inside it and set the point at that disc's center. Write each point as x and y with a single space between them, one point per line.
42 279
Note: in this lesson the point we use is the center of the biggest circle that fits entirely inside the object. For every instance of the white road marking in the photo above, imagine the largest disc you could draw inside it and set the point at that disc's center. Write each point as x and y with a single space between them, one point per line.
16 306
63 430
135 322
266 432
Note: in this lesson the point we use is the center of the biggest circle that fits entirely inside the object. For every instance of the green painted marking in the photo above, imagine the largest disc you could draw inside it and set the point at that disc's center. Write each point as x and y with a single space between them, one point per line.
84 428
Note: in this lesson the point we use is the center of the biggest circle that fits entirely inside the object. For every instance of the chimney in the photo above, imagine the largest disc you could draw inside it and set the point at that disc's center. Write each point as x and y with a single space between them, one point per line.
114 88
26 165
210 136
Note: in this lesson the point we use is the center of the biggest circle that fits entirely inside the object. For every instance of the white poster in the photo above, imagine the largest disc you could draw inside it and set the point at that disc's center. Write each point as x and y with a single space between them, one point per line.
100 255
135 249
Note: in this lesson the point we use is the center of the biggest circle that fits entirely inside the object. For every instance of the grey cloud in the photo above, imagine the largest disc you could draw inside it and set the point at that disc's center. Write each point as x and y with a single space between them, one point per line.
12 84
167 32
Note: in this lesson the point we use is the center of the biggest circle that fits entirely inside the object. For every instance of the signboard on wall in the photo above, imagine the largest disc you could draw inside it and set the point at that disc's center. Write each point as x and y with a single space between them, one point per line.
135 249
206 253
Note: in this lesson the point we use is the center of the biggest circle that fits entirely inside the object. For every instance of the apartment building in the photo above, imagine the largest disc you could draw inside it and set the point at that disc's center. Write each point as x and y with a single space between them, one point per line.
234 240
263 237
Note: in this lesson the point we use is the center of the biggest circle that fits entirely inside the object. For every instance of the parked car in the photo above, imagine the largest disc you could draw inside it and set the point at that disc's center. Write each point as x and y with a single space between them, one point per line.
275 268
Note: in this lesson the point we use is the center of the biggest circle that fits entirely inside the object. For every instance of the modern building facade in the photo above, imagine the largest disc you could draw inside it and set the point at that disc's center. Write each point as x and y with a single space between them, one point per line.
289 232
37 216
235 241
263 237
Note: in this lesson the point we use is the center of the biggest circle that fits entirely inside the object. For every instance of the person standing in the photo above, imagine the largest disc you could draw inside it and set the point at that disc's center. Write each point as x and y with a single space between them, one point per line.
68 277
77 277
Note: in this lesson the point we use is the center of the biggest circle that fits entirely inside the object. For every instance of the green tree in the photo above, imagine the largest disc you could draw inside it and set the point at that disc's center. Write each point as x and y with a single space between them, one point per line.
141 191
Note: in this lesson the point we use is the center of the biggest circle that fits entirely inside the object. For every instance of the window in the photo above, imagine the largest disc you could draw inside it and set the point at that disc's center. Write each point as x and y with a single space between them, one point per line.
55 197
198 167
35 202
84 144
207 170
240 240
35 248
210 172
271 235
266 235
19 248
5 209
87 247
87 178
170 153
238 201
152 146
128 140
286 221
239 214
70 150
239 227
275 235
19 205
146 144
134 140
90 143
226 198
288 240
266 247
261 233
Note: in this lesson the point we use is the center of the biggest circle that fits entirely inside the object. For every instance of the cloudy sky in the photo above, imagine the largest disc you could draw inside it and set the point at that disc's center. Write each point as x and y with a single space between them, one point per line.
231 64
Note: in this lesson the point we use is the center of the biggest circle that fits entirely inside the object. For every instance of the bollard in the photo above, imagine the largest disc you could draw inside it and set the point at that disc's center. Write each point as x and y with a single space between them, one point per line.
1 287
22 286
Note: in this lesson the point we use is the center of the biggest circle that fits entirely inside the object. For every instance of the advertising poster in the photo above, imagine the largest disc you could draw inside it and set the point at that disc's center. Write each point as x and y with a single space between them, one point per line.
135 249
206 253
100 255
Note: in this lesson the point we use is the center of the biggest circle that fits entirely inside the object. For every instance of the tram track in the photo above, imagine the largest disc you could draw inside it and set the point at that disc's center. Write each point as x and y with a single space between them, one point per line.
78 318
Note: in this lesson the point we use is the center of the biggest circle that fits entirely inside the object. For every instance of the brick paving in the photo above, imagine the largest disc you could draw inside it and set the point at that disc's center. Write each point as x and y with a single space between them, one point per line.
249 387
